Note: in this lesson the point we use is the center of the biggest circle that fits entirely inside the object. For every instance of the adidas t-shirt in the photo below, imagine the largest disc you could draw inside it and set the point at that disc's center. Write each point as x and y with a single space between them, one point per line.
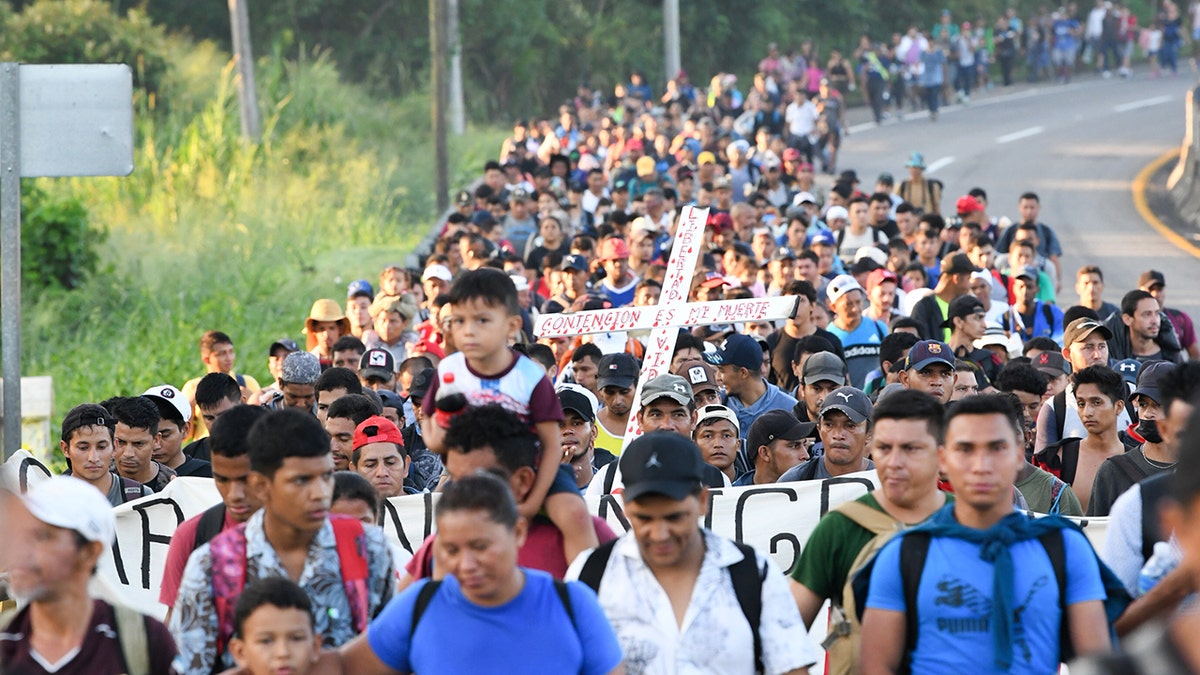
861 347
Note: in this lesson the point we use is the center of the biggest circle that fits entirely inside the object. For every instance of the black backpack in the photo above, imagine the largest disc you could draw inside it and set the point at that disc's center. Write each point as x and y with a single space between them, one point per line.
425 596
745 574
212 521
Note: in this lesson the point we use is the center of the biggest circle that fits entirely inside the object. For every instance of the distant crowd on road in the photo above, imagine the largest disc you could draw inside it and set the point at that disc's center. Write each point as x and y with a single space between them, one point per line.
932 340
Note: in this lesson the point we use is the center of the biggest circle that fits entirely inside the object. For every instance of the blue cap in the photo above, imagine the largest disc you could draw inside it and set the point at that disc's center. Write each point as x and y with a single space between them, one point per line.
360 287
822 237
738 350
928 352
1129 369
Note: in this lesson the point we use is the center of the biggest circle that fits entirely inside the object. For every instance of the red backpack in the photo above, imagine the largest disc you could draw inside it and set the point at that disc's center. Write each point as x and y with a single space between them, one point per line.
227 551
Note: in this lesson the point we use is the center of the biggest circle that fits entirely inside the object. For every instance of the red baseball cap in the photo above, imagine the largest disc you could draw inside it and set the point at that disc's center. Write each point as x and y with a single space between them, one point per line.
720 222
614 248
881 275
377 429
968 204
791 155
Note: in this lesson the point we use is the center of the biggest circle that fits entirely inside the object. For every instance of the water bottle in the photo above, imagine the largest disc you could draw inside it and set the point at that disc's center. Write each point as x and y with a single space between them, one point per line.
1162 561
449 402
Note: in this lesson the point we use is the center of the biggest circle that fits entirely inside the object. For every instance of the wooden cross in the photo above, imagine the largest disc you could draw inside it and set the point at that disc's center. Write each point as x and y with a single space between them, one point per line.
672 312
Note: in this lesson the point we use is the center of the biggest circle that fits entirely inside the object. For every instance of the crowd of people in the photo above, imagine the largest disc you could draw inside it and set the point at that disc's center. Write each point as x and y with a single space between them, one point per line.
933 341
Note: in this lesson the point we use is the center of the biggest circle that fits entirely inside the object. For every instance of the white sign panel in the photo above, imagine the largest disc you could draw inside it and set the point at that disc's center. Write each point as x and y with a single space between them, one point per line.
76 120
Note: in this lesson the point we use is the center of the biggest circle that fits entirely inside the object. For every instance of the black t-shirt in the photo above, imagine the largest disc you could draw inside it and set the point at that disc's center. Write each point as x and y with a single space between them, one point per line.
781 357
199 450
194 467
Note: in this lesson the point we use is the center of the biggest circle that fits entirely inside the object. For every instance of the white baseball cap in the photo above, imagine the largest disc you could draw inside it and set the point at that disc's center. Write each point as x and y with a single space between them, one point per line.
437 272
841 285
520 282
837 212
802 198
168 393
73 504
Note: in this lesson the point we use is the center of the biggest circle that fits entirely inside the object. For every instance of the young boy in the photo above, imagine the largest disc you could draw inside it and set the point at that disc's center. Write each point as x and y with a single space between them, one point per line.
273 620
218 355
485 316
1100 397
718 435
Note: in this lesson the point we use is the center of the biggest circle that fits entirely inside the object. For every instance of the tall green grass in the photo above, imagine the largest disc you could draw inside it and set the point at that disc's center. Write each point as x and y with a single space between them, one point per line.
211 232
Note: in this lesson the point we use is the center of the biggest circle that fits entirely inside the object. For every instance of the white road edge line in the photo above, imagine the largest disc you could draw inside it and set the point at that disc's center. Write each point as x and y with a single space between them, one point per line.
939 164
1018 135
1145 103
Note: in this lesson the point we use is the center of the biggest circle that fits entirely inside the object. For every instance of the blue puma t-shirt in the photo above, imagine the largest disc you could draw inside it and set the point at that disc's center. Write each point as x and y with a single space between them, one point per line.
954 603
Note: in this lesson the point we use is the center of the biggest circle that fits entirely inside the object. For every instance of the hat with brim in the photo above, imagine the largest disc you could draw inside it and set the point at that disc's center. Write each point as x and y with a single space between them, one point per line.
661 463
775 425
1081 328
669 386
72 504
1149 380
325 310
850 401
167 395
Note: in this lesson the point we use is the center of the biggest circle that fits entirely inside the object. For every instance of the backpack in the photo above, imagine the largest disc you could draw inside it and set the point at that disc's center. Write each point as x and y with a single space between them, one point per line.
1063 468
425 596
844 638
1154 490
131 635
212 521
745 574
227 551
131 490
914 549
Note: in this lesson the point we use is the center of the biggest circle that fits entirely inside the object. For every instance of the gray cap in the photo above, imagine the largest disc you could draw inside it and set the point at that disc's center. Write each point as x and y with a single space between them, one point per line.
853 402
671 386
824 366
301 368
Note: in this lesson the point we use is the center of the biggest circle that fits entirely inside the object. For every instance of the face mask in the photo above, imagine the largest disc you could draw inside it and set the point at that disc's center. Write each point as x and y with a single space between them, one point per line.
1148 429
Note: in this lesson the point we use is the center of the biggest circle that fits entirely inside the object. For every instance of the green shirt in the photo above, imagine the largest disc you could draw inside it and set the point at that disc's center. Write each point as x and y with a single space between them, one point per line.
1037 488
945 307
831 550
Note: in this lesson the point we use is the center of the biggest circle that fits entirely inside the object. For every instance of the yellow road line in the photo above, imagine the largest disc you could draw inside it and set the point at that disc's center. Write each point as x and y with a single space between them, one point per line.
1140 183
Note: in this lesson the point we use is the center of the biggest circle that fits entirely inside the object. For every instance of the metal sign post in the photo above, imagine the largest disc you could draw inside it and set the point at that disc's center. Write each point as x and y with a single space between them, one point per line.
60 120
10 254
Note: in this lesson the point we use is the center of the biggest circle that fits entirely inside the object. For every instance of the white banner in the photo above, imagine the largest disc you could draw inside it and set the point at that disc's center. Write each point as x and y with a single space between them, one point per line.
656 316
776 519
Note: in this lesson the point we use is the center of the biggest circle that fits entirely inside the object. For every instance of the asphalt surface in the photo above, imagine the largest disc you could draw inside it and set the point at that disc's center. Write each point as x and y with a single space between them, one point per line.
1079 146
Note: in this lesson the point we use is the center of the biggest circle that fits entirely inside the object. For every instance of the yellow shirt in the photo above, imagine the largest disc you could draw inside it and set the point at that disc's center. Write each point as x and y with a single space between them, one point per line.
607 441
199 430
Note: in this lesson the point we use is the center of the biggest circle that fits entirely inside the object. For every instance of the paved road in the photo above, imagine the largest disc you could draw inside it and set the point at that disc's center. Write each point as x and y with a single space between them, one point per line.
1078 146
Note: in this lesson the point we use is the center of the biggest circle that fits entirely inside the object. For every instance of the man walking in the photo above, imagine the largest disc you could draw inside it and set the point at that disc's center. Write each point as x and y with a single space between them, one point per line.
669 587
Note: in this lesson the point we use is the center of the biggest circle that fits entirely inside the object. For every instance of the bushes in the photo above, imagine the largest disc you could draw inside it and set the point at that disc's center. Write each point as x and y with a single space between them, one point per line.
58 248
87 31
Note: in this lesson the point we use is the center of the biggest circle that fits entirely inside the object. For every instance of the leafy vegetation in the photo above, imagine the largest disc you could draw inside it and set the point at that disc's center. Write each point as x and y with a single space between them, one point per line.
213 232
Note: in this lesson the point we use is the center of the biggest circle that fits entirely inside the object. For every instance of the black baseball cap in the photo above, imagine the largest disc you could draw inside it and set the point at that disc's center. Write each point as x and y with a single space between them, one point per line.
576 401
661 463
1151 278
1149 380
420 384
773 425
285 343
616 370
962 307
853 402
